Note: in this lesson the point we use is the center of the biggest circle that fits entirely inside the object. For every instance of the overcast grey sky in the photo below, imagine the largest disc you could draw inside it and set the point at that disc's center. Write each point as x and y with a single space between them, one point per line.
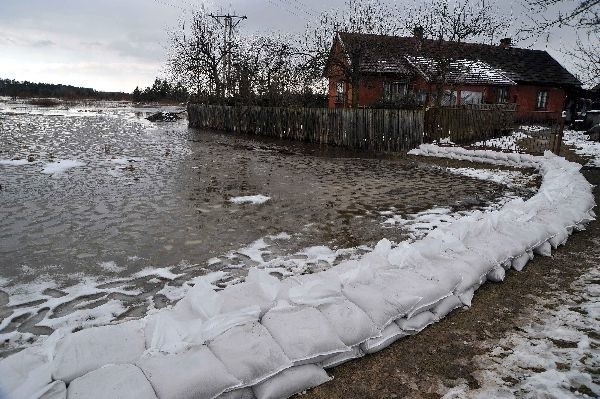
120 44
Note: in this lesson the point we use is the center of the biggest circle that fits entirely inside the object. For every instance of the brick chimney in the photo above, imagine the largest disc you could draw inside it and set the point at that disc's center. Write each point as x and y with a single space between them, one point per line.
506 42
418 32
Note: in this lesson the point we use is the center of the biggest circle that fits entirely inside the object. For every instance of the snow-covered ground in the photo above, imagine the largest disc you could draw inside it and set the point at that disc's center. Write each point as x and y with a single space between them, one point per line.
556 355
505 143
583 146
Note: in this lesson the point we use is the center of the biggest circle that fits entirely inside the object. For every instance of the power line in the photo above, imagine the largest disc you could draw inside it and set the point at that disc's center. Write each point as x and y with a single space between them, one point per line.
296 4
230 22
279 5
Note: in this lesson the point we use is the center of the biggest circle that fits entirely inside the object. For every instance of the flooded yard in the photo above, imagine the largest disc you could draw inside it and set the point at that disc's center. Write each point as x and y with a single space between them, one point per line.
106 216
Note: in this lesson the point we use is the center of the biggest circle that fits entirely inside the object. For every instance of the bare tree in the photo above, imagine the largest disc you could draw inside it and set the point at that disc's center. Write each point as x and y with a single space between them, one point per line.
579 14
441 23
458 21
268 67
197 55
586 58
367 17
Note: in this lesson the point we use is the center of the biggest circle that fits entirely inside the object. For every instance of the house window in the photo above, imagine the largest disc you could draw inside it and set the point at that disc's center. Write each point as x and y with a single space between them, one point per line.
541 102
471 97
421 97
502 95
340 92
450 98
394 90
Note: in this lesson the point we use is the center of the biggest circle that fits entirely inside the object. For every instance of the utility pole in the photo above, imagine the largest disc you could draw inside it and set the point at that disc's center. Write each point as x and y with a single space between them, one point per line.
230 22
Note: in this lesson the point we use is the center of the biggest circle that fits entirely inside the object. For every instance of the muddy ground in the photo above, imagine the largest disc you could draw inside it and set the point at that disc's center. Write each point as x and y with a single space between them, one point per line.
421 366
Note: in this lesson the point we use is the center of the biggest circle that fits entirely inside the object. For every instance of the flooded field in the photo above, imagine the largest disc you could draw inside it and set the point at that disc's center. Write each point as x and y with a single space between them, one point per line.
106 216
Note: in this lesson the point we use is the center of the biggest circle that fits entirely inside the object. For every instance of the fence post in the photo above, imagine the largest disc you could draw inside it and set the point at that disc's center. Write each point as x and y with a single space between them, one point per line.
559 136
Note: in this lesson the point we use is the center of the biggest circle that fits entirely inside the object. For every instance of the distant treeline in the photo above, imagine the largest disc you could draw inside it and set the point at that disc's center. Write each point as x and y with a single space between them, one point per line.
13 88
161 91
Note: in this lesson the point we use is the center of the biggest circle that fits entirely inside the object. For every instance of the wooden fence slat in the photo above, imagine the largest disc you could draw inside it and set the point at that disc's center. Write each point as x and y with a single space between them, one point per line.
370 129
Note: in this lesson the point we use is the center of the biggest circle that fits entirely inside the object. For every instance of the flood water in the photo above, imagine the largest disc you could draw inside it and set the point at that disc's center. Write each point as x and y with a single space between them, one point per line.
146 206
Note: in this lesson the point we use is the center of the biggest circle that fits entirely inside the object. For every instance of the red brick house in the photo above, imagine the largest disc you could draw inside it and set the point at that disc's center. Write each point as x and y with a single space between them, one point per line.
387 68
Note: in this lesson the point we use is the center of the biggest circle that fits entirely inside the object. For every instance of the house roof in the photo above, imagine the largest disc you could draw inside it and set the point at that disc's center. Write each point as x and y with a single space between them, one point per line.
462 71
514 64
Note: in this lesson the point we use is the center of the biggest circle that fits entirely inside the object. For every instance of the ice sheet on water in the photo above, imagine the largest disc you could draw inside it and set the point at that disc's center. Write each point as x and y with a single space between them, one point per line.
14 162
420 224
250 199
162 272
508 178
111 266
61 166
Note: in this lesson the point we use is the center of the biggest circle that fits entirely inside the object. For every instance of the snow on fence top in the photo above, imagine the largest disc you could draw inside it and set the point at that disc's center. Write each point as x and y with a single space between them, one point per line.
268 338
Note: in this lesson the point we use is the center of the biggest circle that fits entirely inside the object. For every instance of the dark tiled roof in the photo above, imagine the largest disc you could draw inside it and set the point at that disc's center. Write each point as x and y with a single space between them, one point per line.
518 65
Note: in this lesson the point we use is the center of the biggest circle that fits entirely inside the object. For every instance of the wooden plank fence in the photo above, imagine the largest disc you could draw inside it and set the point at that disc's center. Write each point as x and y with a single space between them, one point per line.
367 129
468 124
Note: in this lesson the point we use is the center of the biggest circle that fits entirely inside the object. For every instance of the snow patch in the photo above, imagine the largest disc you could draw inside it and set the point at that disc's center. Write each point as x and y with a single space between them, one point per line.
111 267
583 146
59 167
507 178
14 162
250 199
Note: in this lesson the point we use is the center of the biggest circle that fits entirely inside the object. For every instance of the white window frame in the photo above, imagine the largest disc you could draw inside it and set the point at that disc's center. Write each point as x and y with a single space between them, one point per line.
340 92
541 100
502 95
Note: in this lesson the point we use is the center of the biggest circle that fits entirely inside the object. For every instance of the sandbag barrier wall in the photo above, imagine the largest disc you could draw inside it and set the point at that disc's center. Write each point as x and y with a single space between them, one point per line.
268 339
467 125
366 129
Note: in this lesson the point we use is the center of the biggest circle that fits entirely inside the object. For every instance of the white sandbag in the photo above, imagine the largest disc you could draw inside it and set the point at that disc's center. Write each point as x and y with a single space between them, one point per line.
112 381
54 390
472 269
315 289
259 288
519 262
25 373
351 324
466 297
303 333
86 350
218 324
290 382
388 336
544 249
242 393
194 374
446 306
202 302
431 288
417 322
382 306
559 239
249 353
496 275
169 332
342 358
